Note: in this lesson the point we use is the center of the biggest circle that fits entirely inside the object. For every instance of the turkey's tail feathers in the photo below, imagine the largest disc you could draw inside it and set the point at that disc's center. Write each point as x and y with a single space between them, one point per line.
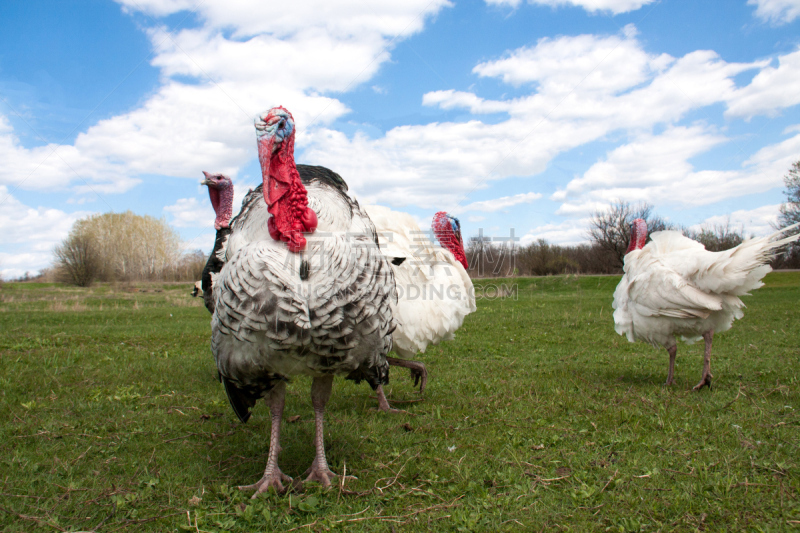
240 402
744 266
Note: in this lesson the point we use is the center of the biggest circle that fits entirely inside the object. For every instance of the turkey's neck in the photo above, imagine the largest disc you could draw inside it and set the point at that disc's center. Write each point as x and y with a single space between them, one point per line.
224 208
638 235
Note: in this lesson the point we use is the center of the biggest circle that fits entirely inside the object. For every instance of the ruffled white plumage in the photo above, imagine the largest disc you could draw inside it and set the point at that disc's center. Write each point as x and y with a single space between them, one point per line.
434 290
673 286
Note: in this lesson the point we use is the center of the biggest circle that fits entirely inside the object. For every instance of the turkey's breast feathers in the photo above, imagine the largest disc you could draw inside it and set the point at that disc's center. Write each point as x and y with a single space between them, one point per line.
325 310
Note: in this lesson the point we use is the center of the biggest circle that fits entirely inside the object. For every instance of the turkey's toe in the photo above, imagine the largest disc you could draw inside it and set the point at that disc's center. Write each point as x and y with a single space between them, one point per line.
274 480
387 409
703 382
322 476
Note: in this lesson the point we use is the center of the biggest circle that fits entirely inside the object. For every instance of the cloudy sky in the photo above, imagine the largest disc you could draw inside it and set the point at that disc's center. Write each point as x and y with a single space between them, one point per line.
513 114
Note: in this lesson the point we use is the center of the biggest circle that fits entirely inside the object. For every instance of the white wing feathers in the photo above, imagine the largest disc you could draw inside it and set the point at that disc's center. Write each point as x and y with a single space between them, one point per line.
435 293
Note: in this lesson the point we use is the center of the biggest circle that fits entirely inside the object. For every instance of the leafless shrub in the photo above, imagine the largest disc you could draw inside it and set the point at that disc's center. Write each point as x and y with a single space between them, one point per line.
77 260
790 214
611 229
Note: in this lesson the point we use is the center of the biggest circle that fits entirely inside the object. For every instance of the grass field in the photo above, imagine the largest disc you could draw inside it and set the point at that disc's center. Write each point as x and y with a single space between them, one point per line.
537 417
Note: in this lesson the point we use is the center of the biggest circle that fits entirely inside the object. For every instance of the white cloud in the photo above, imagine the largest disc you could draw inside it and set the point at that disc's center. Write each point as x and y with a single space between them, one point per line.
572 231
188 213
656 169
341 18
770 91
587 62
242 51
776 11
757 221
498 204
614 6
586 87
28 235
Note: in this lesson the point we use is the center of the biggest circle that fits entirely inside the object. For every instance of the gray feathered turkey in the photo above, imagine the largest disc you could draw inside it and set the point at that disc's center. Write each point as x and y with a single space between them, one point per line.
286 307
220 192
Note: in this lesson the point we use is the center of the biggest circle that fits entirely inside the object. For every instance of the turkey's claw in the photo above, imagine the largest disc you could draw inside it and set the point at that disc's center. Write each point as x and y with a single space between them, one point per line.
417 369
420 377
703 382
275 479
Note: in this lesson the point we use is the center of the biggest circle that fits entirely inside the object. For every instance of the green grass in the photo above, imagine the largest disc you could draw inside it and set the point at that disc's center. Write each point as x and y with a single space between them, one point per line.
538 416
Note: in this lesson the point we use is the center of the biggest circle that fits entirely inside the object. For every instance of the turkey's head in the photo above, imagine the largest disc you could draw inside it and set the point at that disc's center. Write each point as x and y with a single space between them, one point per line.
448 232
220 190
638 235
287 200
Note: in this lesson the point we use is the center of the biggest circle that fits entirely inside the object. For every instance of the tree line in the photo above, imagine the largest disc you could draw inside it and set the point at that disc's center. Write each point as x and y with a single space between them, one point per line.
609 235
129 247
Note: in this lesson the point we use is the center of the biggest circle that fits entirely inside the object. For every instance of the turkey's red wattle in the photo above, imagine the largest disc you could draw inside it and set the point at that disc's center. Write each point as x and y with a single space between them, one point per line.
638 235
287 199
447 237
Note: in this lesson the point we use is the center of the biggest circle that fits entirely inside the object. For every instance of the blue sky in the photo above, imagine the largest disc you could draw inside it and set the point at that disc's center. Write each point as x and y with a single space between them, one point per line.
523 114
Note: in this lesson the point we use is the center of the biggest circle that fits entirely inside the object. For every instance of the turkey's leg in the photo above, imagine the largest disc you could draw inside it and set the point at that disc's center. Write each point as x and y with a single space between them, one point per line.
671 374
708 336
418 371
383 403
273 477
320 392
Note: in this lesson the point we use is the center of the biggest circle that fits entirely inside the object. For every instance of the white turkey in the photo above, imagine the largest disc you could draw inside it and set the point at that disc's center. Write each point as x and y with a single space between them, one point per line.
674 287
434 290
220 192
286 307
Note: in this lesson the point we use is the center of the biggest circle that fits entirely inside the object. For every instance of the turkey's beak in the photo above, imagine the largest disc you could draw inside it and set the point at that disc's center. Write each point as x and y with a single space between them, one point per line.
207 181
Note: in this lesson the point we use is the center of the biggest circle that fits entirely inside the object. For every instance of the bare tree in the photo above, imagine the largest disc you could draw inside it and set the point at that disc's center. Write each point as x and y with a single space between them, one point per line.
790 211
611 229
77 260
790 214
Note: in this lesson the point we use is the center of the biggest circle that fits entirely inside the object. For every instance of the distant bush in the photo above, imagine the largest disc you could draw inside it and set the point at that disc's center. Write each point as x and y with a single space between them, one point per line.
124 247
78 260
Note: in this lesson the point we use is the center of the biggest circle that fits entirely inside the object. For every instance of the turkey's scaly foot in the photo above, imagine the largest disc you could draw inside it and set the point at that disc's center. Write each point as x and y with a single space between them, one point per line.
275 480
383 403
669 382
417 370
703 382
322 476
